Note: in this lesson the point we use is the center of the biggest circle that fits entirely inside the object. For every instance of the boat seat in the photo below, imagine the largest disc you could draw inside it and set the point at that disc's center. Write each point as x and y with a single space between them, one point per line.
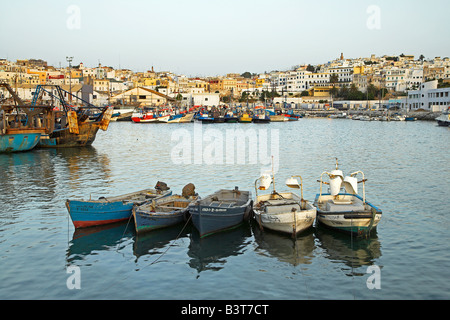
282 208
344 206
222 204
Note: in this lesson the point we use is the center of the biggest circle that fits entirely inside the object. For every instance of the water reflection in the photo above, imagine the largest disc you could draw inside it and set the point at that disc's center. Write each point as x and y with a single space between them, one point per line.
41 175
284 248
212 252
353 252
151 243
86 241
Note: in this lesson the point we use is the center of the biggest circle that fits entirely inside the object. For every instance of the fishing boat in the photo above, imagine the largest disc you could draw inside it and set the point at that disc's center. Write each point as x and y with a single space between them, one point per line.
89 213
278 118
231 118
187 117
139 117
284 212
444 119
71 124
221 210
261 118
22 126
345 210
161 213
245 118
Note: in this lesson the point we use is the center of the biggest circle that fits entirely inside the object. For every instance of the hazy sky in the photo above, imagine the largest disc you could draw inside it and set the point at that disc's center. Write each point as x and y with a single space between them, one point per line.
209 37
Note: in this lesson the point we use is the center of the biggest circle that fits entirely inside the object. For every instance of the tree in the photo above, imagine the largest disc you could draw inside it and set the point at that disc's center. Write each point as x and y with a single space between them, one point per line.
310 68
247 75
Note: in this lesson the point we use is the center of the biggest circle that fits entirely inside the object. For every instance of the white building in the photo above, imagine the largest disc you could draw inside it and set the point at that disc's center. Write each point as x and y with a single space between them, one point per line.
404 79
200 99
429 97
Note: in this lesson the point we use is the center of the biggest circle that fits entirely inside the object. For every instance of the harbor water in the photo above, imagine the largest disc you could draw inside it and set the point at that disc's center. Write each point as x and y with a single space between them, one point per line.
406 165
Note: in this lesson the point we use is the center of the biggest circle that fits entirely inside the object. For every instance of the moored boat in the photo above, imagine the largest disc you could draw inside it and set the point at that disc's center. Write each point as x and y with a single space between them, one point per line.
187 117
221 210
21 126
346 210
444 119
284 212
161 213
72 126
261 118
278 118
88 213
245 118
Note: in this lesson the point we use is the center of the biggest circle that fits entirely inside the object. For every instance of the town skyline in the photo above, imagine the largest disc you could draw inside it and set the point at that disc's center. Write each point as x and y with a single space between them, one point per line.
206 38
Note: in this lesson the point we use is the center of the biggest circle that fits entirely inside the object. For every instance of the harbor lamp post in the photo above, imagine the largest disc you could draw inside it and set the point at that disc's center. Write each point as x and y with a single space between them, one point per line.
69 59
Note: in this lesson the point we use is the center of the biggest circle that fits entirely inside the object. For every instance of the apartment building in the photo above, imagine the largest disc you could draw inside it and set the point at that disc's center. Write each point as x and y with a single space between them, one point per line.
429 97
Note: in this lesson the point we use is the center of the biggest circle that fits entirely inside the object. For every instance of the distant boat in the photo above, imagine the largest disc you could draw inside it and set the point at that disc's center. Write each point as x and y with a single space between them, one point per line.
138 117
21 126
410 119
278 118
161 213
88 213
221 210
187 117
18 131
261 118
231 118
346 211
245 118
71 125
205 118
444 119
150 117
284 212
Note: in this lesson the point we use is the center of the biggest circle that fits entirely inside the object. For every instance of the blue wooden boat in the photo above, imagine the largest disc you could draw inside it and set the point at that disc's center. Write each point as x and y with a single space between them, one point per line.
161 213
221 210
88 213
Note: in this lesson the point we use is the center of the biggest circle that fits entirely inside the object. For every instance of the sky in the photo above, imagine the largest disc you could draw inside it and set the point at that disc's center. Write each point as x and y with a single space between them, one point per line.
212 38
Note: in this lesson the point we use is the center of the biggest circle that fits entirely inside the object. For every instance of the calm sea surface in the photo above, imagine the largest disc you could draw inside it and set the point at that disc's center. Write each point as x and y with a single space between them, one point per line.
406 164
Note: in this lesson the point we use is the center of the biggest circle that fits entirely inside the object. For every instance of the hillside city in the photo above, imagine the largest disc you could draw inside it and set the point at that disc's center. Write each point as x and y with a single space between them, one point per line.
412 83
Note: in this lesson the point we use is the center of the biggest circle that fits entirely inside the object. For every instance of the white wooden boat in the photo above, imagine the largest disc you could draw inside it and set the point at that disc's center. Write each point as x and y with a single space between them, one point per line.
284 212
342 208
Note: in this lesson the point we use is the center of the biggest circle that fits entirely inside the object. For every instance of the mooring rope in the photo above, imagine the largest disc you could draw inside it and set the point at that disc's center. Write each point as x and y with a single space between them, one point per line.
168 247
162 254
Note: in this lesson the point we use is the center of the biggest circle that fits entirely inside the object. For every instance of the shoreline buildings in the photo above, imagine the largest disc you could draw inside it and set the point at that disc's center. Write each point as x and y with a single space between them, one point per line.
416 83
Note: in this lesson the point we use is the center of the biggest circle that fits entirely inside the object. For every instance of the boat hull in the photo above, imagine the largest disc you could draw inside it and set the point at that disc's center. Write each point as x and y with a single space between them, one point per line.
161 213
65 139
278 118
351 217
17 142
89 213
187 118
210 219
147 221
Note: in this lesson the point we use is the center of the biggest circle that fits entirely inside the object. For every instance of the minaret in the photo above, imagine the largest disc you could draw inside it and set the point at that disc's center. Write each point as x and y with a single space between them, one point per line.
342 56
